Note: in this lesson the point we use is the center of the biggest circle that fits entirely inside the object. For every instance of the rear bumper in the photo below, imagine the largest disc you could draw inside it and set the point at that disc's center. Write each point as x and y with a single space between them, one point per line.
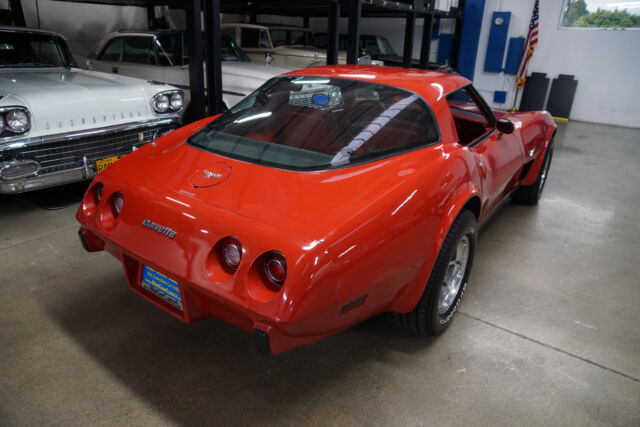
271 334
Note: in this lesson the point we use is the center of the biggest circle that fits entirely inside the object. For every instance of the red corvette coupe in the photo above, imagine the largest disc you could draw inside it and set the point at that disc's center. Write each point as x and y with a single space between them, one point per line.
325 197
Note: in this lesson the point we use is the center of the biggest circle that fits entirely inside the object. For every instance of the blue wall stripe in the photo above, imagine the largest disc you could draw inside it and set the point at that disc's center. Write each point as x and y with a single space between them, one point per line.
471 26
444 47
497 42
514 54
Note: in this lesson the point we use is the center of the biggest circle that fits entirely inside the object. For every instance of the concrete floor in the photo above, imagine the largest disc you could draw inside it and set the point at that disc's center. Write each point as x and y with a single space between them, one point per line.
547 334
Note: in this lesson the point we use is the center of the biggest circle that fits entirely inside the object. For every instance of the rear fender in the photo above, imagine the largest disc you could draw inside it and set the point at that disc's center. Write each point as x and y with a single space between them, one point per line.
534 170
409 297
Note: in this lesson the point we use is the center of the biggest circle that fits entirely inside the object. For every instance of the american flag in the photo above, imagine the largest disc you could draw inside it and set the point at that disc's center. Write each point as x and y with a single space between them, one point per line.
529 44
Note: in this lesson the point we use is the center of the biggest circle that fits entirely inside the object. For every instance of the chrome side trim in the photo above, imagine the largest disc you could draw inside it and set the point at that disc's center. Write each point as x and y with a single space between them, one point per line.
229 92
20 143
45 181
7 165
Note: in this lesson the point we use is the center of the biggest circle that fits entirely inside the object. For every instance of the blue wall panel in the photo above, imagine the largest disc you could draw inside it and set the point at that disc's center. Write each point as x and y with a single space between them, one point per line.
499 97
435 29
497 42
444 47
471 26
514 54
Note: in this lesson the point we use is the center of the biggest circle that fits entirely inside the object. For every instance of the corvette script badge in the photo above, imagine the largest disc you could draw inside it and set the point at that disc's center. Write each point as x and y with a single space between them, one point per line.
210 174
159 228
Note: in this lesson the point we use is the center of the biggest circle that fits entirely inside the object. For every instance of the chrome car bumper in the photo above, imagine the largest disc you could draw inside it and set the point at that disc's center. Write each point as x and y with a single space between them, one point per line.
70 157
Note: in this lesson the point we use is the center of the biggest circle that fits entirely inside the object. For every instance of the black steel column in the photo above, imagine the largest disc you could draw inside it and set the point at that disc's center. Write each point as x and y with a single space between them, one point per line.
214 57
353 36
427 29
17 15
151 15
196 108
409 30
333 34
305 21
457 35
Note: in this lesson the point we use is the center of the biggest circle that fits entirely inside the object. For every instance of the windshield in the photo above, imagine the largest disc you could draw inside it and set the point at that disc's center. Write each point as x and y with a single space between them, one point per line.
172 49
231 51
385 47
19 49
282 37
322 41
316 123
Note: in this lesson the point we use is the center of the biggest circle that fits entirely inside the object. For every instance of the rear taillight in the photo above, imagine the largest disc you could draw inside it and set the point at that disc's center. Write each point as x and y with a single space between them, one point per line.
92 198
111 210
97 192
118 203
275 268
231 253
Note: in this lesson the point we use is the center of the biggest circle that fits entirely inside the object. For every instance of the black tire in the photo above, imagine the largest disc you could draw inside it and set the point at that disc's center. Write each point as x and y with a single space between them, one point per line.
530 194
426 318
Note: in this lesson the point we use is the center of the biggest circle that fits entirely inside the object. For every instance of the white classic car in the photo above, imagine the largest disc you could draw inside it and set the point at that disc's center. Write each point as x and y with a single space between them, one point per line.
163 56
60 124
285 46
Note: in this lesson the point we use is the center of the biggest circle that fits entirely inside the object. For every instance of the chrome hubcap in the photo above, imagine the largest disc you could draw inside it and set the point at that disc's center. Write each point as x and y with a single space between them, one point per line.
454 276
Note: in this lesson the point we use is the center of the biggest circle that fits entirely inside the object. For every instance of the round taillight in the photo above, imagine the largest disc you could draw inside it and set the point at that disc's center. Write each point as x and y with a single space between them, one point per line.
118 203
275 268
97 192
231 253
92 199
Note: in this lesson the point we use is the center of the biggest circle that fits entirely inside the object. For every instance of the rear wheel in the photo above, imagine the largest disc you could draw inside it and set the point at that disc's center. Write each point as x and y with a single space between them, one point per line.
447 282
530 194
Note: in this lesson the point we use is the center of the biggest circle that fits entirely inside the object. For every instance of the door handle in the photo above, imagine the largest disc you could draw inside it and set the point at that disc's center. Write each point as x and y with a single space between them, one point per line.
115 70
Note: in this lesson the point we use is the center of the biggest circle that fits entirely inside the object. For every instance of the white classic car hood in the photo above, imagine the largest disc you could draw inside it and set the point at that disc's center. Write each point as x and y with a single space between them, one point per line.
65 100
245 77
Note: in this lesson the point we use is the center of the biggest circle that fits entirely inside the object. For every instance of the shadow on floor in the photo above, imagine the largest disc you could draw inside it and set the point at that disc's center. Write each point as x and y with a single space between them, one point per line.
211 370
51 198
58 197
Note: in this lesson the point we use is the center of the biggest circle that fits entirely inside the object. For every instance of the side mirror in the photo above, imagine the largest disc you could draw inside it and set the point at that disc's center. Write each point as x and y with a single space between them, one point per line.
505 126
364 60
268 59
89 64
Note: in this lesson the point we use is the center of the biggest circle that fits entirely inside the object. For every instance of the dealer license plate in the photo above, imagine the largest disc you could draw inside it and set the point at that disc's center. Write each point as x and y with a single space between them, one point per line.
161 286
102 164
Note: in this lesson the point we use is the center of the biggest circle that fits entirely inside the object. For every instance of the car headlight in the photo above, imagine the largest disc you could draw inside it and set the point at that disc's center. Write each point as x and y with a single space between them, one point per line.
167 102
14 119
176 101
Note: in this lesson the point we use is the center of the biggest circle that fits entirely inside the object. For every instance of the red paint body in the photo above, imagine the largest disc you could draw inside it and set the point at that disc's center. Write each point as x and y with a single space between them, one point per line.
364 236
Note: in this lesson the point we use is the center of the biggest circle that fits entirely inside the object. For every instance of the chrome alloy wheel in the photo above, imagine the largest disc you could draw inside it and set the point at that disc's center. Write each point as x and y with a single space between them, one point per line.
454 276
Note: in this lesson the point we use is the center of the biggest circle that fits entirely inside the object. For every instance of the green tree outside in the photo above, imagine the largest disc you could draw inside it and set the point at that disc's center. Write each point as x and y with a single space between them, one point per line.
575 9
608 19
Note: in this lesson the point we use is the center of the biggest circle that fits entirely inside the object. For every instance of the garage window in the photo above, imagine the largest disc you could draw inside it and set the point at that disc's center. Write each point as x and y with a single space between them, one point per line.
600 14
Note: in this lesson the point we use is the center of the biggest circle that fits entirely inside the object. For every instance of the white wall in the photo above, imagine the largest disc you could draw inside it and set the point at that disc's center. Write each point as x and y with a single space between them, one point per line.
84 24
605 63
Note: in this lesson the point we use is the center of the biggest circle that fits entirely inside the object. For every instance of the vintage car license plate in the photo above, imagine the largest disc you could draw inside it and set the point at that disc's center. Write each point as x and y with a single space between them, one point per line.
102 164
161 286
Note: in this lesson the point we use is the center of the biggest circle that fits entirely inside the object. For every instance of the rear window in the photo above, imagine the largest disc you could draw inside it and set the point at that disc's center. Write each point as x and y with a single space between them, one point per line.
316 123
